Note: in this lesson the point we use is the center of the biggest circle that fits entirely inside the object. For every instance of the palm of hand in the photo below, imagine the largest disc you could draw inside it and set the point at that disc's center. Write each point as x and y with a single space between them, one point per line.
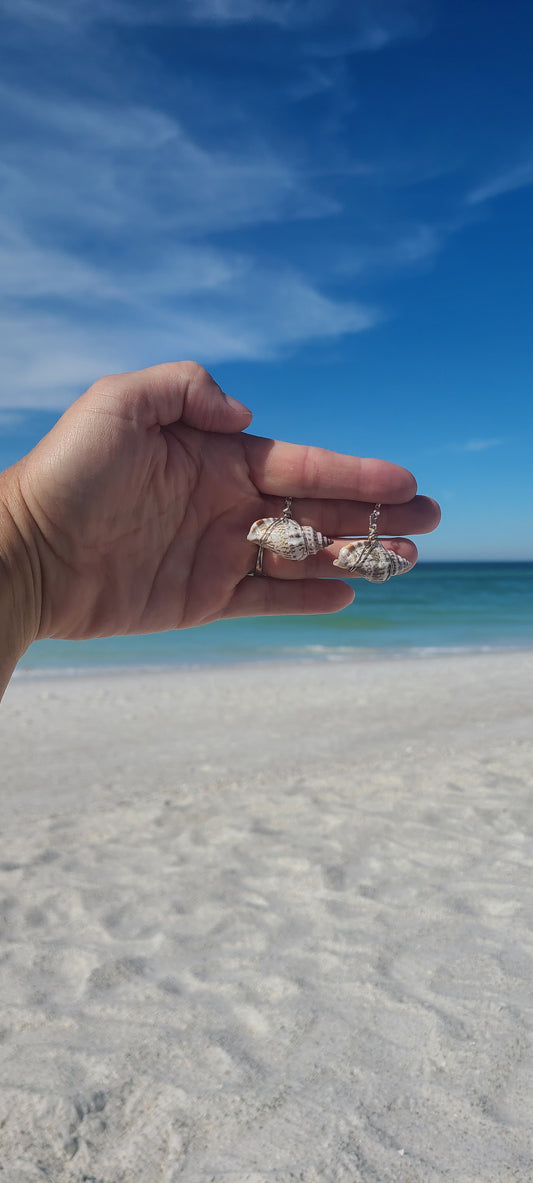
148 534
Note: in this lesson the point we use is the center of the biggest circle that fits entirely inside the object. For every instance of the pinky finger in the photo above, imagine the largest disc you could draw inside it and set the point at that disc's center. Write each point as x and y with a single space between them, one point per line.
276 597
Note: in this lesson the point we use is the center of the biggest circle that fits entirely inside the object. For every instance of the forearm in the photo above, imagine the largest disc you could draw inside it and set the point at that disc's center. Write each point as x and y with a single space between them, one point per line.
19 580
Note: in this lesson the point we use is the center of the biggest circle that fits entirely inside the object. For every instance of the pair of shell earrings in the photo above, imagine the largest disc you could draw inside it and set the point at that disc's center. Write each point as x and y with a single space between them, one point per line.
284 536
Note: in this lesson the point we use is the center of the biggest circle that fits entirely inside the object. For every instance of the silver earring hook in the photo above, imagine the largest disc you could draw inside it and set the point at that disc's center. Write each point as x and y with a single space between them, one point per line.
373 521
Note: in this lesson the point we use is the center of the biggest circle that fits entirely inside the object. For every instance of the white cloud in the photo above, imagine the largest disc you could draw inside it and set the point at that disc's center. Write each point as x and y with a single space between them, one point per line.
480 445
369 35
476 444
11 419
421 243
415 247
169 12
40 10
315 79
117 241
120 165
284 13
110 248
29 270
366 25
47 359
519 177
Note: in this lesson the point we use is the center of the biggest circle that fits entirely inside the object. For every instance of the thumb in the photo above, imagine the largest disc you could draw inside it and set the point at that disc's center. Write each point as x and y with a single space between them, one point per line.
208 408
185 391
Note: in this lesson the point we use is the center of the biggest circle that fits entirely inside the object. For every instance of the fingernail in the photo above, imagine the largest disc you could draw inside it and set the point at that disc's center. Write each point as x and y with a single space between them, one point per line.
236 405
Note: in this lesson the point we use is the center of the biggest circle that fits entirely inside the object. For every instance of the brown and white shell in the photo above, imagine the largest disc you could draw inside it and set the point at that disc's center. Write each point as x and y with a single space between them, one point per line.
372 560
286 537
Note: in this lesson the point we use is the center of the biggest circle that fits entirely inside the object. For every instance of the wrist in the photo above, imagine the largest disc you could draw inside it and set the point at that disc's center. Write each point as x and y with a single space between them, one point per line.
19 578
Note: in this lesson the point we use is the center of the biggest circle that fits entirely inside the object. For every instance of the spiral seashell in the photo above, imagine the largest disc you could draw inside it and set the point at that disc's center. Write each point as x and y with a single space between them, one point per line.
286 537
372 560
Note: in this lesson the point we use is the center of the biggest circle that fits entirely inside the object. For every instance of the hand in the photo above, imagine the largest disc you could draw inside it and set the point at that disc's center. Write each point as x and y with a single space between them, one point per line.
134 510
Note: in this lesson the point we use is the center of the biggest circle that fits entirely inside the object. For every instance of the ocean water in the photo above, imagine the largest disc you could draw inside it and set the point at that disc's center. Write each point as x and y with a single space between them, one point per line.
436 607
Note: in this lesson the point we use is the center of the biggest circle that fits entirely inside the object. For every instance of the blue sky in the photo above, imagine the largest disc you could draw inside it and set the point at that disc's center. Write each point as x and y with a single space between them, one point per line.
329 204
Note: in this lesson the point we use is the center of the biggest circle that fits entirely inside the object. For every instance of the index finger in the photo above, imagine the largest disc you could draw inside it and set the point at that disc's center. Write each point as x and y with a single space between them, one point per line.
299 470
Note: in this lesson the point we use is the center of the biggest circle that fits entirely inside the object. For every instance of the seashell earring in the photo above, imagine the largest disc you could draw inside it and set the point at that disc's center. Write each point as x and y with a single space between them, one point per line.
286 537
370 558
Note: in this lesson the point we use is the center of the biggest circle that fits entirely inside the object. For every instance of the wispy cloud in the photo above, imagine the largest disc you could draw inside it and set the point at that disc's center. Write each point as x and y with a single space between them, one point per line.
476 444
149 199
191 304
373 24
364 27
142 223
480 445
358 27
10 420
119 164
371 28
285 13
413 247
518 177
47 358
168 12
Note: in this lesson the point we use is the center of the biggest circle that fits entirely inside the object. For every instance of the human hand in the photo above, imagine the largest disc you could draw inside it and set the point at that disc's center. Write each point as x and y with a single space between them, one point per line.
134 511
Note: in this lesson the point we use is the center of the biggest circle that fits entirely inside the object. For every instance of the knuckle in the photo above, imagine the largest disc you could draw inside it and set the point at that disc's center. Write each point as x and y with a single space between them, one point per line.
107 383
311 467
194 374
110 389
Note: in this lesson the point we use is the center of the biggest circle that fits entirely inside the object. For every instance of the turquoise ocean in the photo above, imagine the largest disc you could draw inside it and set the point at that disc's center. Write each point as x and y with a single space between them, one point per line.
437 607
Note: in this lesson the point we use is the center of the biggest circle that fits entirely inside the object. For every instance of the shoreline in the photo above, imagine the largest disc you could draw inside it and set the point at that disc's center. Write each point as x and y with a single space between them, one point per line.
315 655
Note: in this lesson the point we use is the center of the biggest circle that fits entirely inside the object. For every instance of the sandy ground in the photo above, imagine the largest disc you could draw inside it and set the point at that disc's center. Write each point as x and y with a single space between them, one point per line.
269 923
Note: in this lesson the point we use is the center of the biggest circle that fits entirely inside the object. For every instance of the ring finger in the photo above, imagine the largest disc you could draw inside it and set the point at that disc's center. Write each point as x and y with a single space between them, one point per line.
320 566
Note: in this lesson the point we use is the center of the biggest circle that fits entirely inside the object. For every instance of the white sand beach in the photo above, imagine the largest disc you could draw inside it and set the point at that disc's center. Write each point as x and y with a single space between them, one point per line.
269 923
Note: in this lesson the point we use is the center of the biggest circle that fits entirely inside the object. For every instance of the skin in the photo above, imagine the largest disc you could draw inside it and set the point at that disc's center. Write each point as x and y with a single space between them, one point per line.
131 515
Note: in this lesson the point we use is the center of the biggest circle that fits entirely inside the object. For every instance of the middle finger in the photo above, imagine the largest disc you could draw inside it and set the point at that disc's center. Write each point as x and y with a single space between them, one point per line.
348 519
320 566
